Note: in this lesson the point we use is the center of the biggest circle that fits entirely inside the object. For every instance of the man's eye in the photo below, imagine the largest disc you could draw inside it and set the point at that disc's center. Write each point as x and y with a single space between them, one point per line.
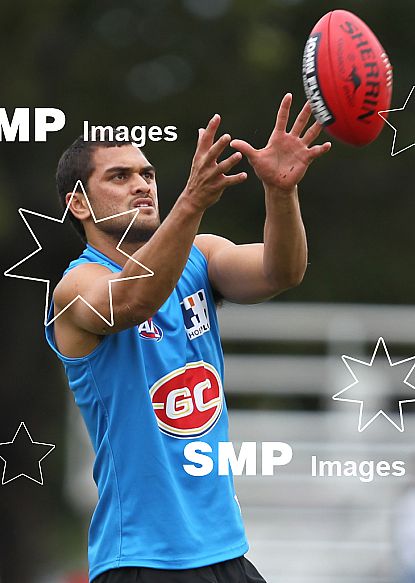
120 176
148 175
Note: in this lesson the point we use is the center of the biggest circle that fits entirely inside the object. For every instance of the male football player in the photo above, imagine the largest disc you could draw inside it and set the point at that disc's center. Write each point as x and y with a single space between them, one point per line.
153 381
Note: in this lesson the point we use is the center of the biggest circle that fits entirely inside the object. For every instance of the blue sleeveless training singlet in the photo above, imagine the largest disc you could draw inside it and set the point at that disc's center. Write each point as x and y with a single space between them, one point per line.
145 393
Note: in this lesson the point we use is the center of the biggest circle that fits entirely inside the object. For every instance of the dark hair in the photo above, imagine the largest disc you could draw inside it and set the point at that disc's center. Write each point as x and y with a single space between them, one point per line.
76 164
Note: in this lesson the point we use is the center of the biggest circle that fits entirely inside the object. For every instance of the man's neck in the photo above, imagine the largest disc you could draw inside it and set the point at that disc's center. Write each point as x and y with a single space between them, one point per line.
108 247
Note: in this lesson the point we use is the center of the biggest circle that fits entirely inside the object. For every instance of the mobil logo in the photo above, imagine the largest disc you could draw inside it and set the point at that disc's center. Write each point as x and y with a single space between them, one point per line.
188 401
150 331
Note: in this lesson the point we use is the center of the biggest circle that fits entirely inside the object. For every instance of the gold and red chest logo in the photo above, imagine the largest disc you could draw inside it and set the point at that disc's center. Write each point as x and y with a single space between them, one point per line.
188 401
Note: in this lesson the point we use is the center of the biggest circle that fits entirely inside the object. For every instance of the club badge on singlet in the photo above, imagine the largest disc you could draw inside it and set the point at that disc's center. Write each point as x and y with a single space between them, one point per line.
188 401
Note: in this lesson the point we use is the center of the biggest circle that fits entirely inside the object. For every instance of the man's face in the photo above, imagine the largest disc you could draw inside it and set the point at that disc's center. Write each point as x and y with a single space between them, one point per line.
123 180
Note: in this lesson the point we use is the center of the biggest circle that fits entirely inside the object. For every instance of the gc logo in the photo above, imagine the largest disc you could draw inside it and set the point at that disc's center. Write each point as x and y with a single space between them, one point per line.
188 401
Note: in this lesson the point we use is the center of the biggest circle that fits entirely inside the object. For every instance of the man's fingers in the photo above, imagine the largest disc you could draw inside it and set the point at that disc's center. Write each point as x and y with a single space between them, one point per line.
245 148
317 151
229 163
312 133
283 114
302 120
207 136
235 179
216 150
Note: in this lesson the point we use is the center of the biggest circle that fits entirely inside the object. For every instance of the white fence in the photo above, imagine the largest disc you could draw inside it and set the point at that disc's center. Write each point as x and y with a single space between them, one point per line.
306 529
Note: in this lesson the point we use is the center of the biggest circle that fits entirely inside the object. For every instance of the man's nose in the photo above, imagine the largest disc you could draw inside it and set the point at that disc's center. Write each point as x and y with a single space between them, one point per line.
140 185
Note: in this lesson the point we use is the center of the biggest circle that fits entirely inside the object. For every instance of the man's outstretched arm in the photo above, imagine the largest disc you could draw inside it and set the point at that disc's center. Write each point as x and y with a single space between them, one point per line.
252 273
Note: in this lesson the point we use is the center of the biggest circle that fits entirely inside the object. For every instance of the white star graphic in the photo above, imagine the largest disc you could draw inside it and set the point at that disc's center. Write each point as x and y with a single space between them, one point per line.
393 153
374 379
8 445
78 186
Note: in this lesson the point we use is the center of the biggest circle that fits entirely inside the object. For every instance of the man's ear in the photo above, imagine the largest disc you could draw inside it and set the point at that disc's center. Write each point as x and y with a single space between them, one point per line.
79 206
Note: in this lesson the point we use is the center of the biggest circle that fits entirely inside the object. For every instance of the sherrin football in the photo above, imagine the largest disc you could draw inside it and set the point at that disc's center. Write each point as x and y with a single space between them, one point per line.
347 77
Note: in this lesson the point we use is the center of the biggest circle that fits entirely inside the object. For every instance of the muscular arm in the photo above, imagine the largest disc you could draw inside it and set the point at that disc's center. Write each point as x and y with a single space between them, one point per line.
252 273
165 253
134 300
259 271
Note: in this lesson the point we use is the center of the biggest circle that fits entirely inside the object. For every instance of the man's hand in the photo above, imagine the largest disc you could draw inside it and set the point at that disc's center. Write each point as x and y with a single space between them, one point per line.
208 178
285 159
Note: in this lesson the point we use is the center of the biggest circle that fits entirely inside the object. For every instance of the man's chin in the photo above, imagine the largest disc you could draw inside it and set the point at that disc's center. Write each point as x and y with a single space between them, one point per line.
140 234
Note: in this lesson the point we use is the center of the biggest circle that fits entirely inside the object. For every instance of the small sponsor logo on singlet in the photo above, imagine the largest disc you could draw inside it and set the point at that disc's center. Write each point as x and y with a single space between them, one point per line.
195 314
188 401
150 331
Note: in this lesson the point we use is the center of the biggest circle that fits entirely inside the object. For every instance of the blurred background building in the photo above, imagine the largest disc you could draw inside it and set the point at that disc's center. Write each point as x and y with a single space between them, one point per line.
176 62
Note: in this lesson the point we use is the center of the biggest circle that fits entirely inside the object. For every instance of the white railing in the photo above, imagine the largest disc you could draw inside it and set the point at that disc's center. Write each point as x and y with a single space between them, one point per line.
304 529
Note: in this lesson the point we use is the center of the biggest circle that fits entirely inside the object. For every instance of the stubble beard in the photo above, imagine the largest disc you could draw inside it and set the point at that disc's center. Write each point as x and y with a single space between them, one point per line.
138 233
141 233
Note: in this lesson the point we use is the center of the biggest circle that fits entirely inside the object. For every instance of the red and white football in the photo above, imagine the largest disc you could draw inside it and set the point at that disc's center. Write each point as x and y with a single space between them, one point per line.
347 77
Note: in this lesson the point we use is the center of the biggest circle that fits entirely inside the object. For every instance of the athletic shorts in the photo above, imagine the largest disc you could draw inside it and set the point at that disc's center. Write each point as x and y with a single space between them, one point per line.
238 570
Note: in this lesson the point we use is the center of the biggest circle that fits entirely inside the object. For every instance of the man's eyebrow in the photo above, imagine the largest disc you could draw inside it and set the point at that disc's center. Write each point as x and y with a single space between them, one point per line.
149 168
115 169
